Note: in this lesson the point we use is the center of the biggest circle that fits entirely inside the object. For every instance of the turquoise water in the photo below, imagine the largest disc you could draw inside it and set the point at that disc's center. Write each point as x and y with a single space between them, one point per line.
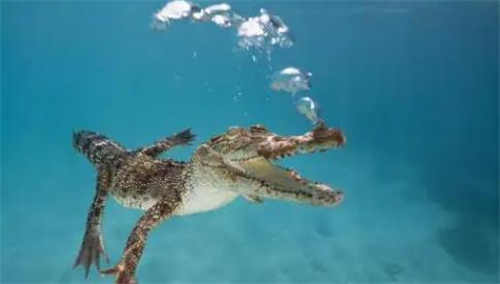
414 86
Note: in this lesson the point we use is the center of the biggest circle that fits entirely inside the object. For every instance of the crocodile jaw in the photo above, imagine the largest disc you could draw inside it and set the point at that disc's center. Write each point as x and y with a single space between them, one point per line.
272 181
247 156
321 139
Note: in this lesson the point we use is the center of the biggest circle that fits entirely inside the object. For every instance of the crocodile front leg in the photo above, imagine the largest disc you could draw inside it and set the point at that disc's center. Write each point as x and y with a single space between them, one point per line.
126 267
93 244
182 138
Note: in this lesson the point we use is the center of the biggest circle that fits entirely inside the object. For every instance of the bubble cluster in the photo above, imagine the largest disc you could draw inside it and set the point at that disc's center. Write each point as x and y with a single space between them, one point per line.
261 33
264 32
219 14
291 80
308 108
296 82
173 10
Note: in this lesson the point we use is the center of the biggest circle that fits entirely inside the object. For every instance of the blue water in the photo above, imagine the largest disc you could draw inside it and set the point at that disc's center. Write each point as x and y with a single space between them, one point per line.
414 86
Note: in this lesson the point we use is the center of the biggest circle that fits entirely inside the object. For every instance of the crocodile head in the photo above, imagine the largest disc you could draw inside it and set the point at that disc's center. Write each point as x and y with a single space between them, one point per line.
246 159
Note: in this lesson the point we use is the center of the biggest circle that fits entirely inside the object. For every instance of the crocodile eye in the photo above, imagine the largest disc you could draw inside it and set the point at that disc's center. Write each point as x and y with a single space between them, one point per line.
235 131
258 129
217 139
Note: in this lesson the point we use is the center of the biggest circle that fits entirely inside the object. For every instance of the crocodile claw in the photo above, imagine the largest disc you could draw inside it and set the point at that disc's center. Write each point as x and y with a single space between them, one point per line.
122 276
184 137
91 250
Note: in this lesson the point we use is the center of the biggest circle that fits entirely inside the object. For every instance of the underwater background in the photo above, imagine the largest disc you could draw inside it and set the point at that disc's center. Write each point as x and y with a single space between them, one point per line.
413 85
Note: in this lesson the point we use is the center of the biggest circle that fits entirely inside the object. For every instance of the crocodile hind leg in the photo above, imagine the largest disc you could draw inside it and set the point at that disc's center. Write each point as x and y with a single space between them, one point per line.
93 244
126 267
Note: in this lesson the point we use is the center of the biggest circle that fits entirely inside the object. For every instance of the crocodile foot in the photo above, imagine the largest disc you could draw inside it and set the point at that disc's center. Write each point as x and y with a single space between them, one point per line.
91 250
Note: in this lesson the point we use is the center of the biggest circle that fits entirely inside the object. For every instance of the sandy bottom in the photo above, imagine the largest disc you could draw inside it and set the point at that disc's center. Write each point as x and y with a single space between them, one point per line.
387 230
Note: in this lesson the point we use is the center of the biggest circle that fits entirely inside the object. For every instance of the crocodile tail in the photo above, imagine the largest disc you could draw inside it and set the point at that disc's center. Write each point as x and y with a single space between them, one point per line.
97 148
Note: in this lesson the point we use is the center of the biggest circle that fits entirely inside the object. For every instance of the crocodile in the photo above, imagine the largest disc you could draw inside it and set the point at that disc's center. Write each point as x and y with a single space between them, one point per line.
241 162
